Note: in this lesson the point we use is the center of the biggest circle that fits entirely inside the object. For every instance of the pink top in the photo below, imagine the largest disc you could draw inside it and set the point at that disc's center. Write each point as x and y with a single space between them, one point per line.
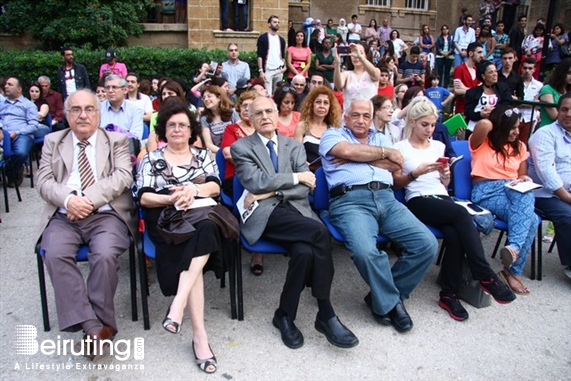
289 130
298 59
119 69
488 164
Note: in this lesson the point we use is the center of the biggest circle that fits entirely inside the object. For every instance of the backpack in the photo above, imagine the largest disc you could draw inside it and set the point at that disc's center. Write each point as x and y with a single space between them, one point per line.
565 50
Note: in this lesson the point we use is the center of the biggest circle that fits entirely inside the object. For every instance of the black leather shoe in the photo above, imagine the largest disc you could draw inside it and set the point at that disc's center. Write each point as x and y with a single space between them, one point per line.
336 333
291 336
383 319
400 319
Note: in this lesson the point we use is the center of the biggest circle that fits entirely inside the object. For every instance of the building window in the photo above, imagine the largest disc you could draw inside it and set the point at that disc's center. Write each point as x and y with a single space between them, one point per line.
417 4
379 3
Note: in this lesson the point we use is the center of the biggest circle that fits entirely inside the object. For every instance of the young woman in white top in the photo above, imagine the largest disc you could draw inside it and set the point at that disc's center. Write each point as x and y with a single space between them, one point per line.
425 180
361 81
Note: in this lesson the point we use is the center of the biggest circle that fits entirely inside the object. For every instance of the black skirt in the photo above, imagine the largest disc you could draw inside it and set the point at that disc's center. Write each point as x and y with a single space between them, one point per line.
171 260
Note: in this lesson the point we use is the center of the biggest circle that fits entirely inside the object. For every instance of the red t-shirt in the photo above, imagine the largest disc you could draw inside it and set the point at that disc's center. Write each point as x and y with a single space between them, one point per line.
389 91
463 74
232 133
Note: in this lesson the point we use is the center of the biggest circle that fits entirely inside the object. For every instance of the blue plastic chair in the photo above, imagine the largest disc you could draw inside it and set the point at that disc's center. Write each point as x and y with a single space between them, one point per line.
145 131
462 186
81 256
321 204
221 163
7 145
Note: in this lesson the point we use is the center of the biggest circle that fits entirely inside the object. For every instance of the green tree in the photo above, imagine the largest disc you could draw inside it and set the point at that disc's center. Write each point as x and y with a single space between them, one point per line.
79 23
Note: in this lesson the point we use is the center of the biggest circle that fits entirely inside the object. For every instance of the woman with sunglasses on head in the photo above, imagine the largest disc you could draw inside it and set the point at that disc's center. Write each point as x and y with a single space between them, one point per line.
360 81
425 180
481 100
286 98
218 113
319 111
499 158
444 54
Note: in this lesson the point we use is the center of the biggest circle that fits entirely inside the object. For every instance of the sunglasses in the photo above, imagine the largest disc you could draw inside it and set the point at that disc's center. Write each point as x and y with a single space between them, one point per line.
509 112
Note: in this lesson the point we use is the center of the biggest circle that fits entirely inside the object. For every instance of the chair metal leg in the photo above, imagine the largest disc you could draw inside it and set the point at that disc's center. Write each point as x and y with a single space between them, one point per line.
133 279
31 168
144 286
440 254
498 242
240 294
552 245
232 279
43 294
5 187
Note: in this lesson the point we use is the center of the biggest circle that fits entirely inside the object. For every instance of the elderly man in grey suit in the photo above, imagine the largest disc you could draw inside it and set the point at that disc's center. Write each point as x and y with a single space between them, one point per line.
274 171
84 177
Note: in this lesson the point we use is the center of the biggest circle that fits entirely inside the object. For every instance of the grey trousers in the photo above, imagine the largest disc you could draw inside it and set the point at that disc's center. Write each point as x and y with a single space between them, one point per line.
76 300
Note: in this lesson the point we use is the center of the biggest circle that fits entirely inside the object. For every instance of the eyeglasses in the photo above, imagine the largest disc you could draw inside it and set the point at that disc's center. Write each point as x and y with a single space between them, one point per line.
510 111
76 111
177 126
387 107
258 114
114 88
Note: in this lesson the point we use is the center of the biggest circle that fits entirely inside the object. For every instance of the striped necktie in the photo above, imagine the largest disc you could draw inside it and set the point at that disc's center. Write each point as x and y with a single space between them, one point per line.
85 171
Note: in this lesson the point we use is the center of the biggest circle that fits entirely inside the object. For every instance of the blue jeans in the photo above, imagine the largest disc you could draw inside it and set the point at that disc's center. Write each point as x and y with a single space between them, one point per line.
559 212
224 14
240 16
498 63
21 147
360 215
516 209
443 66
458 59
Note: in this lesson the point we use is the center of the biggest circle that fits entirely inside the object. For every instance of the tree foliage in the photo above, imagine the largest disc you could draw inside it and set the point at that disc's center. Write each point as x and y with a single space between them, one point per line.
78 23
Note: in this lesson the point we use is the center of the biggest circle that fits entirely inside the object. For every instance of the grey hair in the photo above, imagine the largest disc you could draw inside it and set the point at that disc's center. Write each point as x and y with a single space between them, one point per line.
346 112
418 107
251 111
298 76
44 78
112 77
88 91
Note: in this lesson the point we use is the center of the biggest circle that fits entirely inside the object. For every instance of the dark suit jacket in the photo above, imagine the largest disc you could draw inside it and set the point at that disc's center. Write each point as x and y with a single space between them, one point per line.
113 171
256 172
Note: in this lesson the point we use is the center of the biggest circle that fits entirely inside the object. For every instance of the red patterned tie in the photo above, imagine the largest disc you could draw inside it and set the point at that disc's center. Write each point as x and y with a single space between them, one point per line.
85 171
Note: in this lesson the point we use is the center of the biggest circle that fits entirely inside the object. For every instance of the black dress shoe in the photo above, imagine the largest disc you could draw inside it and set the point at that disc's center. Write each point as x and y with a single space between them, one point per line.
383 319
291 336
400 319
336 333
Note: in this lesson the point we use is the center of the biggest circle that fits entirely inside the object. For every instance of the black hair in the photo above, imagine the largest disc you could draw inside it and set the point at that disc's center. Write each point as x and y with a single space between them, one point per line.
473 46
562 98
414 50
280 94
173 106
502 125
133 74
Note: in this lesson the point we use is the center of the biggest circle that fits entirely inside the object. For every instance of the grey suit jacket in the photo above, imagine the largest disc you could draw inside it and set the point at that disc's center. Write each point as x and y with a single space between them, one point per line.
256 172
113 171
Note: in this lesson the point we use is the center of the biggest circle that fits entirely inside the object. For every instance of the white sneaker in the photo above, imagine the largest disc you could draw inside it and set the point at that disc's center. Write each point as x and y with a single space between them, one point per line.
547 238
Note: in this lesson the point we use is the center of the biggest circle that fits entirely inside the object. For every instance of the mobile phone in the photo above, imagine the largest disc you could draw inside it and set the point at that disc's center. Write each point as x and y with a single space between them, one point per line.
475 208
343 50
443 160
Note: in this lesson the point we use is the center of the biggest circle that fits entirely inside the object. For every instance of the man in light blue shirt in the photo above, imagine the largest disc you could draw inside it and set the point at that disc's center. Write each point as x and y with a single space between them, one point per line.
234 70
116 110
19 118
463 36
550 165
358 161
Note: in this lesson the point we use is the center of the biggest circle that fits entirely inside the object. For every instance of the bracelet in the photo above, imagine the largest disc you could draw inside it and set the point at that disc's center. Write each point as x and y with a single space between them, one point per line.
197 189
382 153
411 177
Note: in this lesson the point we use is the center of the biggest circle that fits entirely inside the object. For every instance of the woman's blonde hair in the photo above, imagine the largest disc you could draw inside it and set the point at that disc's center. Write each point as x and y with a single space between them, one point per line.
333 117
418 108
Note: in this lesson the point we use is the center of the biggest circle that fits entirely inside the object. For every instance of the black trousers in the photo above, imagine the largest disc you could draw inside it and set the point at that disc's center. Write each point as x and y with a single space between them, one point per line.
309 247
461 237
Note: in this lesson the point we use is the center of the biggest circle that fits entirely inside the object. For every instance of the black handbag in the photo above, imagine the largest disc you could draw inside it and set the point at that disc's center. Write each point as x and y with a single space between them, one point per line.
470 290
177 226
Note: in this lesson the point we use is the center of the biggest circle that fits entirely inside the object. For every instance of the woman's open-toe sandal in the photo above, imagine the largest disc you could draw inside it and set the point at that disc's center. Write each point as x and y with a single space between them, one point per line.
513 283
168 323
208 365
508 255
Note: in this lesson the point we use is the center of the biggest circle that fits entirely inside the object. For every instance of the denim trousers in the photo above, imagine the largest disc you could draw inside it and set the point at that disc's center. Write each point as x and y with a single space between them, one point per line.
460 238
458 59
360 215
21 147
224 14
559 212
443 66
514 208
240 16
